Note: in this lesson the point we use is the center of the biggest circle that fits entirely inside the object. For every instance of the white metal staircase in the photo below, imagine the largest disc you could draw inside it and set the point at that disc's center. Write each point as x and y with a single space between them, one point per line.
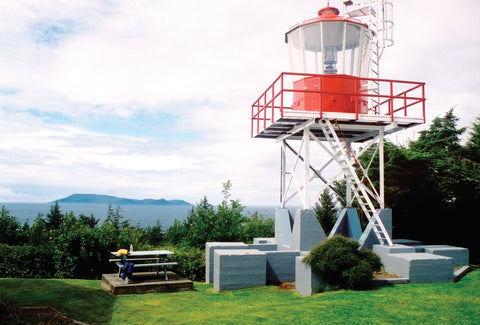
361 188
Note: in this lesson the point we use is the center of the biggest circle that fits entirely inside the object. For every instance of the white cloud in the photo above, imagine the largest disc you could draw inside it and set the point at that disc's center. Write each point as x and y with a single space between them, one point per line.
68 65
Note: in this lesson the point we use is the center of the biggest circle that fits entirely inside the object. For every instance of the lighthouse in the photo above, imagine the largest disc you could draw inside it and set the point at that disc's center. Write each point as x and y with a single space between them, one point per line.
332 106
324 113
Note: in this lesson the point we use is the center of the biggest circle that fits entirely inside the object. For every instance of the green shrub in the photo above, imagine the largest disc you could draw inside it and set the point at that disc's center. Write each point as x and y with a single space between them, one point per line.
257 226
10 229
25 261
191 262
341 265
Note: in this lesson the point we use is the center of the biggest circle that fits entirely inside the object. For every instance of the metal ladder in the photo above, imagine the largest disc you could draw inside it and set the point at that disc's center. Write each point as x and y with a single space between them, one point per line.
345 158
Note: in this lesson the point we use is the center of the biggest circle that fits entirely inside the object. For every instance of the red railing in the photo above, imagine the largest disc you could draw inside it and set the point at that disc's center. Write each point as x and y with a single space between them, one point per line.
395 98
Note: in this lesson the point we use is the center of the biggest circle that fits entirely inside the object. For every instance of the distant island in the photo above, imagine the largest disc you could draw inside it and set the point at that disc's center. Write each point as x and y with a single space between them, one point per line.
109 199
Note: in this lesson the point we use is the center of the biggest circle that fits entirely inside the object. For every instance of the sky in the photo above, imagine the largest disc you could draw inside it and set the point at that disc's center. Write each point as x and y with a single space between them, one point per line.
152 98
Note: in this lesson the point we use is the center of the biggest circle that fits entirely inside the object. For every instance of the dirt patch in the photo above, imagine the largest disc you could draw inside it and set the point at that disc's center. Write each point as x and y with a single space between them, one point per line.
286 285
383 275
42 315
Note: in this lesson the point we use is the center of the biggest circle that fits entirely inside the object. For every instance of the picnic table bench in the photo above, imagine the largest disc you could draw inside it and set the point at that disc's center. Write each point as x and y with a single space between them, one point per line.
144 259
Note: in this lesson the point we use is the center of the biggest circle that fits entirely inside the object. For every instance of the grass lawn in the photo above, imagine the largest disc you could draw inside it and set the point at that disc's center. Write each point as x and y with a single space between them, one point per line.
86 301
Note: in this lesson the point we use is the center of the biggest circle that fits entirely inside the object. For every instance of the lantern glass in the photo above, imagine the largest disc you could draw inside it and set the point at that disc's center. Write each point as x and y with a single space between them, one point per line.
329 47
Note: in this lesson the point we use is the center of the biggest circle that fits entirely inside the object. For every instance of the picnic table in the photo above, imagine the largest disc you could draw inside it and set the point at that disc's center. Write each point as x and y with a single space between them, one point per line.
144 259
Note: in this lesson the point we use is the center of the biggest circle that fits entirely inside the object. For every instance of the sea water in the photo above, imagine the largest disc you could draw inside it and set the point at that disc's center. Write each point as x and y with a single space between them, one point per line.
138 215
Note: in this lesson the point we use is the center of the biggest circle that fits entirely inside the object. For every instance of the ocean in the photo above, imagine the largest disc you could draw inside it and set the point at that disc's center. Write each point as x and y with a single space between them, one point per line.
139 215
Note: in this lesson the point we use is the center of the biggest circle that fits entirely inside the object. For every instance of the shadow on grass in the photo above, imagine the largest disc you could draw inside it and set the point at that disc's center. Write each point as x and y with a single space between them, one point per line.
81 300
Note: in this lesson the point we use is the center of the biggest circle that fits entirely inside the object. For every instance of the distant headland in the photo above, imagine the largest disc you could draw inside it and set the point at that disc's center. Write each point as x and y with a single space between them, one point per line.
109 199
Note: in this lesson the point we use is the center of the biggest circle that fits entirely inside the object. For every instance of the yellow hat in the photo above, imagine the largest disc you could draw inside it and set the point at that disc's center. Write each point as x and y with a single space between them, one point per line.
122 251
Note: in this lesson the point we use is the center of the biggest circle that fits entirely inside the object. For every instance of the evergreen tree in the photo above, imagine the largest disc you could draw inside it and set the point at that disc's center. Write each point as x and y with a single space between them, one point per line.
229 219
257 226
154 234
54 217
10 228
325 211
472 147
176 233
115 218
440 147
199 224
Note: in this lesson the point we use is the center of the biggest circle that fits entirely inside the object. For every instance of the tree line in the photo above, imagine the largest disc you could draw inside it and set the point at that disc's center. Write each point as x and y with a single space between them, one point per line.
65 245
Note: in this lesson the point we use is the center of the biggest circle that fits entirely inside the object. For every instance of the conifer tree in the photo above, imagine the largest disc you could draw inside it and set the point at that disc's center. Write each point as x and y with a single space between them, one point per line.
325 211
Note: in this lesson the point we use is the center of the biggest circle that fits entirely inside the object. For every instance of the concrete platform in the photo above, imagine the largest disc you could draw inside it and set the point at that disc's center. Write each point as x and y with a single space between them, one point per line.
145 282
458 254
239 268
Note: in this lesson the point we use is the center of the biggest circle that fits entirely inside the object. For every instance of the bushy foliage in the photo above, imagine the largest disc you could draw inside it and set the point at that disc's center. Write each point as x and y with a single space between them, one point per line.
341 264
257 226
154 234
191 262
64 245
205 224
10 228
25 261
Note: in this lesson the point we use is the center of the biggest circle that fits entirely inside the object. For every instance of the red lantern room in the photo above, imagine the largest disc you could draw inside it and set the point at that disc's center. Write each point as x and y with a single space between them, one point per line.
337 49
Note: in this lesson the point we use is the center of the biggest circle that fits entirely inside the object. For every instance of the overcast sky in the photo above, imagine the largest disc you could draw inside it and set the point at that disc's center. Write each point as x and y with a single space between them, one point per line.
151 98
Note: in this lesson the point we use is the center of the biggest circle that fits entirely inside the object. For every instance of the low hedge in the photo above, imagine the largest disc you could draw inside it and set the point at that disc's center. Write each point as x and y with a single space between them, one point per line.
341 265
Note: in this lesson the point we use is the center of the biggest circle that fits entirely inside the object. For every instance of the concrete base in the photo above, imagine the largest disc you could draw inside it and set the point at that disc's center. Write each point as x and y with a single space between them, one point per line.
403 261
368 238
461 272
236 269
209 255
145 282
283 228
458 254
407 242
306 281
347 224
263 247
259 241
307 232
281 266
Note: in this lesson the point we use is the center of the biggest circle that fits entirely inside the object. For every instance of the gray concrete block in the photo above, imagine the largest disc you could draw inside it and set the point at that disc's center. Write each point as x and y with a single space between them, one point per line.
347 224
419 267
258 241
408 242
283 228
368 238
458 254
238 268
307 231
386 217
427 268
281 266
395 249
209 255
263 247
418 248
306 281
